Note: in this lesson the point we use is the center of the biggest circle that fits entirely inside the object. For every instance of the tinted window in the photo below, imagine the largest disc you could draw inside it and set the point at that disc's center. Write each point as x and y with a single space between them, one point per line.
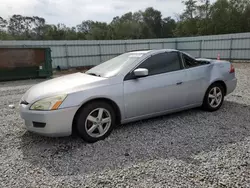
162 63
189 62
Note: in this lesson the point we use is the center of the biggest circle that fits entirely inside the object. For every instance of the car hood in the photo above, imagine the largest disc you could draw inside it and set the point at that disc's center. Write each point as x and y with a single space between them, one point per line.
63 85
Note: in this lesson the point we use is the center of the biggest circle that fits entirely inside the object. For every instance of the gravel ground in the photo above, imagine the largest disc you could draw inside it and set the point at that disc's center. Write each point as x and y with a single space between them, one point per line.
187 149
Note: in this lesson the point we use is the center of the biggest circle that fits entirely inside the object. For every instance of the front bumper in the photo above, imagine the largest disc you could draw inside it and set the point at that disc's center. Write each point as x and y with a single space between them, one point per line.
57 123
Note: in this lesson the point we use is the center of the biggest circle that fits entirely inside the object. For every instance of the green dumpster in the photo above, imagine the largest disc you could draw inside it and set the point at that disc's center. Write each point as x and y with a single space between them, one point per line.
25 63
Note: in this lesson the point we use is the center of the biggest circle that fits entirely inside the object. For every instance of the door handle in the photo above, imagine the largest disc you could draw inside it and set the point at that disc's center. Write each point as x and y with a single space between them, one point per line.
178 83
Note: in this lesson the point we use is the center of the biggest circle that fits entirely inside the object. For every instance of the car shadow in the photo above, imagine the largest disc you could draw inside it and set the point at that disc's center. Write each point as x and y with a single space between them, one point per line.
180 135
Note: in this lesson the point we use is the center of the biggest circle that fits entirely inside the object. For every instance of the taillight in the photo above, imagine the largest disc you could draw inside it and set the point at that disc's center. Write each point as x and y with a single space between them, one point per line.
232 69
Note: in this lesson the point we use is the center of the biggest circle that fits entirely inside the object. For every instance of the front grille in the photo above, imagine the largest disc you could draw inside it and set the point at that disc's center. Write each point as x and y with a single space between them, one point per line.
38 124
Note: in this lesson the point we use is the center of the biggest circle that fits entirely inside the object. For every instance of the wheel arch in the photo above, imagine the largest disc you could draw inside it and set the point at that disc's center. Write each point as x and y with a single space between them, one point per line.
221 82
103 99
205 104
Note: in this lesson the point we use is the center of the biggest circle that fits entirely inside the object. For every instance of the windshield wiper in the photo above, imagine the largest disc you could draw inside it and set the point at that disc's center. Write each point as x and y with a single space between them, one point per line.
93 74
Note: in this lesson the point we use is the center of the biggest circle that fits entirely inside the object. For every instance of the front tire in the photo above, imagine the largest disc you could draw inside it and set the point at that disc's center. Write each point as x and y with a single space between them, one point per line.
95 121
214 97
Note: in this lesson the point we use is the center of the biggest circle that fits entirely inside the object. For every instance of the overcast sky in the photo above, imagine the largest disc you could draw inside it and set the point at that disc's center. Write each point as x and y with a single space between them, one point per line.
73 12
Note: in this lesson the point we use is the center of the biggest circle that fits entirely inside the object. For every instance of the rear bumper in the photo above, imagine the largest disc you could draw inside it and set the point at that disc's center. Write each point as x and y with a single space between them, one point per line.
231 85
57 123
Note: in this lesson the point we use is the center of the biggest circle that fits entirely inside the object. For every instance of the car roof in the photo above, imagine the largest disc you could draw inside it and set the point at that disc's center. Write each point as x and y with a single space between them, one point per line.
140 52
148 51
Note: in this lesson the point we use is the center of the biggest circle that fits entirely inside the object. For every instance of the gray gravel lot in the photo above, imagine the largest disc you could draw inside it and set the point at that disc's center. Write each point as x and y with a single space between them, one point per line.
187 149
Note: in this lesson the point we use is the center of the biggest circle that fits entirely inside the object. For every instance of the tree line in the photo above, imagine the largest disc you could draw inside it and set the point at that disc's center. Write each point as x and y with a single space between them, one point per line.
200 17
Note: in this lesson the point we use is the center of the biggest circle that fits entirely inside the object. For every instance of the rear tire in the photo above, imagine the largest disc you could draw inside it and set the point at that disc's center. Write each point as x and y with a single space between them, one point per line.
95 121
214 97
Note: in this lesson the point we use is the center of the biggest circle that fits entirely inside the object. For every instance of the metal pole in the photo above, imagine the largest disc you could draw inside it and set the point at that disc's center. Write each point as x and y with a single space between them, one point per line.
200 50
125 46
149 45
176 44
231 48
67 55
100 52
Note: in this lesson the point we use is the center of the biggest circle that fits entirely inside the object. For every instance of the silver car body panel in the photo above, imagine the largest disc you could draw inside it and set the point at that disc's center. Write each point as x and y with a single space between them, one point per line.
150 94
136 99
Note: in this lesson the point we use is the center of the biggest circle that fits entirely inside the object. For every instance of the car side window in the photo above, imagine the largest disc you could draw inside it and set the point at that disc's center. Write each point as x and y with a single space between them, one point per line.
162 63
189 62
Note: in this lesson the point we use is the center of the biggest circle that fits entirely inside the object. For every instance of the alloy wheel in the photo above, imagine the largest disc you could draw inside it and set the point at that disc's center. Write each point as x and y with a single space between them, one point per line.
215 97
98 122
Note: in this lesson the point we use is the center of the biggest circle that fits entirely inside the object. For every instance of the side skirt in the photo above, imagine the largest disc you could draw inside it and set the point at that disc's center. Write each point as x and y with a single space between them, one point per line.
159 113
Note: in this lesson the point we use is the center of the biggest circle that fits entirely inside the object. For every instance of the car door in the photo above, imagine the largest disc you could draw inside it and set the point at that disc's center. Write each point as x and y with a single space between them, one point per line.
163 89
197 79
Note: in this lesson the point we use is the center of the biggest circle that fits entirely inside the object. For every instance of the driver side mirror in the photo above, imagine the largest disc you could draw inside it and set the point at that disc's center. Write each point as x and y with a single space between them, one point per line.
141 72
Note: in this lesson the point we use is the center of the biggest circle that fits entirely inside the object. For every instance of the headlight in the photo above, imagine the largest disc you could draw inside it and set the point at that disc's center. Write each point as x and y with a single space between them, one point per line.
50 103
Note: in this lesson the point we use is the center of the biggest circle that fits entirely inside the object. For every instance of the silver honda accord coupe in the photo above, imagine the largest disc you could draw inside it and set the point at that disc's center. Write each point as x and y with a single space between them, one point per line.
130 87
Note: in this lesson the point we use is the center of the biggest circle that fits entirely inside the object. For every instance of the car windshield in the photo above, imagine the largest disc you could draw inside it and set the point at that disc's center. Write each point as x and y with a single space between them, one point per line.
113 66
